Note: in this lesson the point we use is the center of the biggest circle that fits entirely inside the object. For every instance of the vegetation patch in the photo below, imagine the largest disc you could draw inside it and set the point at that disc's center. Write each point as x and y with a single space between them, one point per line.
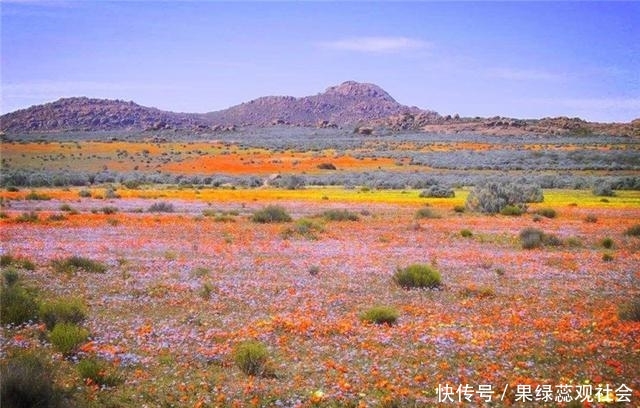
339 215
252 357
62 311
531 238
304 227
72 264
161 207
28 381
17 304
95 371
417 276
271 214
633 231
630 311
492 198
438 191
426 213
546 212
17 262
512 210
35 196
67 337
380 315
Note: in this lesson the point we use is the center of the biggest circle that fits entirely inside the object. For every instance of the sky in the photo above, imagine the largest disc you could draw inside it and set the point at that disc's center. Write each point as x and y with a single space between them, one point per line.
516 59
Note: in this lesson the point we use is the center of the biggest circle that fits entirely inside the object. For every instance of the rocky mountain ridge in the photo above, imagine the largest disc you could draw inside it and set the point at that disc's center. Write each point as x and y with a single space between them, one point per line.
348 105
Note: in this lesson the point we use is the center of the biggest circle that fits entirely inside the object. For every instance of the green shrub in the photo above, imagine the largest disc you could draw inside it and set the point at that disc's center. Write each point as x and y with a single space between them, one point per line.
492 197
65 207
109 210
551 240
98 372
438 191
630 311
531 238
339 215
425 212
56 217
547 212
607 243
206 290
62 311
459 208
33 195
573 242
17 262
28 381
303 227
12 189
74 263
252 357
512 210
466 233
161 207
591 218
84 193
271 214
607 257
66 337
17 305
417 276
381 315
314 270
10 276
633 231
30 216
326 166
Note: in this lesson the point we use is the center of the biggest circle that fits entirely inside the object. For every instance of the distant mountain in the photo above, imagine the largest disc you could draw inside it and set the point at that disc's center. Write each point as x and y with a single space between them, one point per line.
354 104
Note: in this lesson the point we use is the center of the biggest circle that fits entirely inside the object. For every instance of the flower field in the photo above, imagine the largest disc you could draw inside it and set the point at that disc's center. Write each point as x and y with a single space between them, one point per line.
182 288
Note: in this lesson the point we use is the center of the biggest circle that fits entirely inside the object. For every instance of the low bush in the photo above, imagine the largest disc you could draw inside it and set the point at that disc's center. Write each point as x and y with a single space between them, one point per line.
161 207
30 216
17 305
633 231
492 197
271 214
10 276
512 210
547 212
607 243
84 193
603 190
303 227
252 357
607 257
28 381
67 337
630 311
380 315
109 210
459 209
57 217
65 207
62 311
74 263
591 218
417 276
98 372
425 212
531 238
438 191
17 262
339 215
483 292
326 166
37 196
466 233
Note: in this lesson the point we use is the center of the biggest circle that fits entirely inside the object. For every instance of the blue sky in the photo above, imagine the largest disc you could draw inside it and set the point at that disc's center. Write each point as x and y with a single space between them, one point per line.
515 59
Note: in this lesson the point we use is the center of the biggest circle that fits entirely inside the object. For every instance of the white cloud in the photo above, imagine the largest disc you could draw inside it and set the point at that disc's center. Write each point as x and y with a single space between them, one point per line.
514 74
376 44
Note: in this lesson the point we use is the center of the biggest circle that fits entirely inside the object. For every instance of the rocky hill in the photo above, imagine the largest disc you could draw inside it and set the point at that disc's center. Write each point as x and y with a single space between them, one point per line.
346 104
350 104
85 114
